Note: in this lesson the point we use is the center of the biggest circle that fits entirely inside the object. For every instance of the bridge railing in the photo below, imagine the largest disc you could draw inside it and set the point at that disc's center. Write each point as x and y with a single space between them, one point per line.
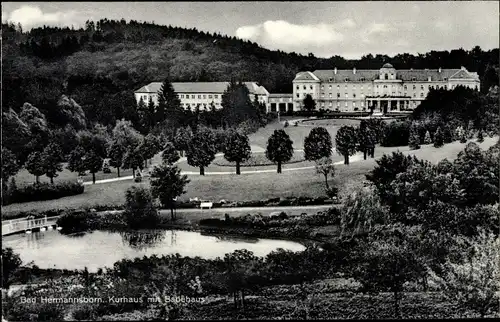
15 225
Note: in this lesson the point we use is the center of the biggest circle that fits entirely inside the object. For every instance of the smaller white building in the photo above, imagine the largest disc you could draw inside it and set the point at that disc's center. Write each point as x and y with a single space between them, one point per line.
280 102
204 94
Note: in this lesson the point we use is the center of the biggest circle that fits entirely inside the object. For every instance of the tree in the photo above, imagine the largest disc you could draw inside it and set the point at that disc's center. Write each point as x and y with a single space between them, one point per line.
142 111
427 139
201 149
279 148
52 156
470 129
325 167
125 134
167 184
116 153
346 142
438 138
237 148
182 138
15 135
236 104
9 165
133 159
140 211
309 103
386 264
149 146
169 104
474 283
35 165
386 170
169 155
317 144
366 139
93 163
96 141
361 211
38 127
76 161
414 140
10 263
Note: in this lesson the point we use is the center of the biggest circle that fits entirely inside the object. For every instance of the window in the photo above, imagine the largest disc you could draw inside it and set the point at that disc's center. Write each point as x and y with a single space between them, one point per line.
182 96
330 104
386 76
322 104
323 86
331 79
346 79
414 86
362 79
345 104
323 94
377 86
199 96
445 79
311 87
338 87
421 87
421 94
204 96
305 87
414 95
353 104
330 94
338 95
446 87
362 104
406 88
330 86
413 78
385 86
298 95
346 95
353 95
209 96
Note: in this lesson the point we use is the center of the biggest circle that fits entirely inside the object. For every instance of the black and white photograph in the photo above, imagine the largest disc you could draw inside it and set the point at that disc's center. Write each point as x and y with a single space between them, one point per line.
250 160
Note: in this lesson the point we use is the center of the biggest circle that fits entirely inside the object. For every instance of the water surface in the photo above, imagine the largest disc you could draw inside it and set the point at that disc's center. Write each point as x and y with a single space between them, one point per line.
98 249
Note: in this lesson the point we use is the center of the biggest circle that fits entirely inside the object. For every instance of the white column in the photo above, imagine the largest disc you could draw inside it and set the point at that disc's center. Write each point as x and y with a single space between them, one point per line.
397 106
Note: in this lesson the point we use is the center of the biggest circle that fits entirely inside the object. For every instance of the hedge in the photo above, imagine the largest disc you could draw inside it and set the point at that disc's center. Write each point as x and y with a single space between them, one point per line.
45 191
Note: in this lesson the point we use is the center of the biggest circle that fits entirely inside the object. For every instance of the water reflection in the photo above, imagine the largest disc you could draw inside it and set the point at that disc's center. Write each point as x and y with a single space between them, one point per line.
99 249
141 240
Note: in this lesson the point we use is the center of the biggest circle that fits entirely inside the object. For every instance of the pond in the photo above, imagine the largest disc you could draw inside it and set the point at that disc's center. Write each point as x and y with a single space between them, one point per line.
99 249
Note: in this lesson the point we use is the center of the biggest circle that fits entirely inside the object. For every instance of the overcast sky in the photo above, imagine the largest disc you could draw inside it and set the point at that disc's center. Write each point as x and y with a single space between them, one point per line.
349 29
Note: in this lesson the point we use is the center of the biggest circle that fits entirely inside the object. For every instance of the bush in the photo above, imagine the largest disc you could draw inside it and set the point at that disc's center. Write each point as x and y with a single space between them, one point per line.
397 133
286 123
77 221
140 211
45 191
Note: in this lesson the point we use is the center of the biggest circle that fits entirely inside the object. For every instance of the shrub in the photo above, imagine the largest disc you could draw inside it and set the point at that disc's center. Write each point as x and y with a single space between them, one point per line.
286 124
396 133
46 191
77 221
140 211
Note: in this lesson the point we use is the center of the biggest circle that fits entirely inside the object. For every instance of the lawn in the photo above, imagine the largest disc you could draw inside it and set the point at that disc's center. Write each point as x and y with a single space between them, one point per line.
251 186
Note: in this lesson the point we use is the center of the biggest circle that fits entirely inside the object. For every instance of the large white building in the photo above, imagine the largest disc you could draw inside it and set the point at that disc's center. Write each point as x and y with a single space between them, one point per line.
192 94
386 89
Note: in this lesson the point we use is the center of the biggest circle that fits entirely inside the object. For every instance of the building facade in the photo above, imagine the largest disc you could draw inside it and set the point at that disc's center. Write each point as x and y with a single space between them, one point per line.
383 90
280 102
202 94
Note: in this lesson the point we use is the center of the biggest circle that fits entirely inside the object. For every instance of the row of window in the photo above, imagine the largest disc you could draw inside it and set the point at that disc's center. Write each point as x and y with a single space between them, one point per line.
377 86
199 96
196 104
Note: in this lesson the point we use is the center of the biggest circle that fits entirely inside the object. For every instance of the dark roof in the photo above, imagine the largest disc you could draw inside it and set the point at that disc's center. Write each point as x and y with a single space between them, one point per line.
280 95
305 76
201 87
387 65
403 74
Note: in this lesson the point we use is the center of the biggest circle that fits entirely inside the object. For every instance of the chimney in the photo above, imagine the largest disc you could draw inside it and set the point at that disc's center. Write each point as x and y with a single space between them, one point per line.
335 70
354 70
462 68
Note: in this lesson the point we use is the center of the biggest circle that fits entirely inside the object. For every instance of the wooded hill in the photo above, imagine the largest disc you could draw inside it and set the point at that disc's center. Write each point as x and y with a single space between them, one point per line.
100 66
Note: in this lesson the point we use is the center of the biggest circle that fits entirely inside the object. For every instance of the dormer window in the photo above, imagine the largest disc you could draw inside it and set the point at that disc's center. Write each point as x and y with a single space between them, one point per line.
346 79
362 79
330 80
413 78
445 79
386 76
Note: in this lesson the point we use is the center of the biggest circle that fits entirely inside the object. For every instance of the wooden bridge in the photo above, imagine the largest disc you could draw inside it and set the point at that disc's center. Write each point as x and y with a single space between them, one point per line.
28 225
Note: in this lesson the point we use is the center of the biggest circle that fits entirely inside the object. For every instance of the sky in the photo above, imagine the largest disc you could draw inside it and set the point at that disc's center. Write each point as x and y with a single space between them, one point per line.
327 28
